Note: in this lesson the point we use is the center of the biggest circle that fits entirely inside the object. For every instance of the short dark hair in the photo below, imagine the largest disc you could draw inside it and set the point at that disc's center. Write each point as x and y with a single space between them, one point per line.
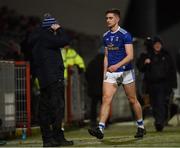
114 11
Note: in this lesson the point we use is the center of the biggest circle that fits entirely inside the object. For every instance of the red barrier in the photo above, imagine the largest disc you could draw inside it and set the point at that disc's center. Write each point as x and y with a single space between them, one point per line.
23 97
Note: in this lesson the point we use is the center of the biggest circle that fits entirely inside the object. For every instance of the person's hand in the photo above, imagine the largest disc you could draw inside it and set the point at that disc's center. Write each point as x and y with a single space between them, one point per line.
55 26
112 68
147 61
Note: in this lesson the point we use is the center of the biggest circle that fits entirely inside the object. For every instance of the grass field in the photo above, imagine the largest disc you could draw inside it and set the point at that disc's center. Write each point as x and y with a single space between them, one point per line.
116 135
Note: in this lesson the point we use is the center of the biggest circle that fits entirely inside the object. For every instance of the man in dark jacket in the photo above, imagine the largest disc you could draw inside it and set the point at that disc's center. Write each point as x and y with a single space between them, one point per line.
143 92
49 69
160 75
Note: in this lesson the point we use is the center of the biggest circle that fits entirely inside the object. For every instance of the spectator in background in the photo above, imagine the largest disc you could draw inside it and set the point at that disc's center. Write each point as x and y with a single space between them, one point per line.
71 58
15 51
14 31
49 70
94 77
161 78
140 66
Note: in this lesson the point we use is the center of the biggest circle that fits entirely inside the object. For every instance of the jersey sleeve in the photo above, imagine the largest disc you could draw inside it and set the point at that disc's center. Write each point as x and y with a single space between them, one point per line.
127 38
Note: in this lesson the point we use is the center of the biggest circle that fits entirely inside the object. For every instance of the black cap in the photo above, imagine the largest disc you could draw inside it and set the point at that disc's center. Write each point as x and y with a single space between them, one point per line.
157 39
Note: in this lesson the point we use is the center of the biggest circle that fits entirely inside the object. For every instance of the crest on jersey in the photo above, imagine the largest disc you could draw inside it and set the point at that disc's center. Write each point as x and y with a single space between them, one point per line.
112 37
117 38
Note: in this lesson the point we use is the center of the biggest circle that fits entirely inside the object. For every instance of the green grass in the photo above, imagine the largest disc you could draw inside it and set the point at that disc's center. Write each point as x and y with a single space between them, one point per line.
116 135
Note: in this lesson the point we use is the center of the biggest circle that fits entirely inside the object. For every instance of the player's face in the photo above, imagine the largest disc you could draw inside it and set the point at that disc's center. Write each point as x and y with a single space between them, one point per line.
112 20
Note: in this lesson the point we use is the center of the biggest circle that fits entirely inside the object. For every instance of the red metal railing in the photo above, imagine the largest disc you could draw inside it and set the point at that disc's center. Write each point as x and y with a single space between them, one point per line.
23 97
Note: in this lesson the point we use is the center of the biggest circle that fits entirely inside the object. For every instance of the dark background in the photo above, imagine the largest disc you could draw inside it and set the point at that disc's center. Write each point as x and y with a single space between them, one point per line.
85 19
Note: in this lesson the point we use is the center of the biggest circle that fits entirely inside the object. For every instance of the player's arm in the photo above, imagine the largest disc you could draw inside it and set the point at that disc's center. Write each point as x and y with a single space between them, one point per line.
127 59
105 60
129 55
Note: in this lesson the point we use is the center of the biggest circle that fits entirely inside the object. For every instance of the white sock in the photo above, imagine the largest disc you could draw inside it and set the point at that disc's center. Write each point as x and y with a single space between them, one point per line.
101 126
140 123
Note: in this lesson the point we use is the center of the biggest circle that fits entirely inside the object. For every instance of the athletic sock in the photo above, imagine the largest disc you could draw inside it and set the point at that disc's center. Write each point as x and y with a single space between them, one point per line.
140 123
101 126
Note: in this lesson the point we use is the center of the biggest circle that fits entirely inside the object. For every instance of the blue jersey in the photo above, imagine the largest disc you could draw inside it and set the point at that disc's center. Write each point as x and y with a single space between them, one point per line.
115 43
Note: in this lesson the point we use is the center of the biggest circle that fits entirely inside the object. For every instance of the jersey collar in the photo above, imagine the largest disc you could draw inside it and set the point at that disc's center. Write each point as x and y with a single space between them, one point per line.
116 30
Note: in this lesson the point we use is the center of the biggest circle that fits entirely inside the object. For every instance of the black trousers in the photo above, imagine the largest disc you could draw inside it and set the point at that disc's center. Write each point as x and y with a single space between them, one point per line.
159 98
51 109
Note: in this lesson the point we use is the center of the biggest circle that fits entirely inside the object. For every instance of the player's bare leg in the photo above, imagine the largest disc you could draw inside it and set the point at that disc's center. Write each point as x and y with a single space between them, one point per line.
109 90
130 90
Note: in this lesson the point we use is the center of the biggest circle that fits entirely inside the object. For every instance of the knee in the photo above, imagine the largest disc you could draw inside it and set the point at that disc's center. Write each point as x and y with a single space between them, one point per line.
132 100
107 99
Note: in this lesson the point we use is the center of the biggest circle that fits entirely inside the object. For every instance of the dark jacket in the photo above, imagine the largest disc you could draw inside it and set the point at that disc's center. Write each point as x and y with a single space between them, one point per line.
46 56
160 70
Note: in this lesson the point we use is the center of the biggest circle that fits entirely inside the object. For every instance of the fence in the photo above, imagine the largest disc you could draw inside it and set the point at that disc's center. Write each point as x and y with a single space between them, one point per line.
22 95
7 97
15 96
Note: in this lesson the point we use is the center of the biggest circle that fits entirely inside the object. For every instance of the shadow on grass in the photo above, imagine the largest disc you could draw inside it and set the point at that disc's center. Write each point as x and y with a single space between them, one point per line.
119 141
